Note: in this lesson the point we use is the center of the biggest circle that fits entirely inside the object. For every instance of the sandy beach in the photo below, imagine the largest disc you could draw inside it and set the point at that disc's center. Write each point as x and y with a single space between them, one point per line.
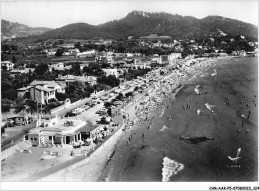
140 151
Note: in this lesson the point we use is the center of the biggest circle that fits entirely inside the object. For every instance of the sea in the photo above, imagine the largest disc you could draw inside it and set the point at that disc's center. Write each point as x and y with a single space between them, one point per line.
208 132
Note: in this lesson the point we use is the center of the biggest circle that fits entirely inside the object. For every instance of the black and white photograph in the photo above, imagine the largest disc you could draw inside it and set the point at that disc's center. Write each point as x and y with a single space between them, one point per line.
116 91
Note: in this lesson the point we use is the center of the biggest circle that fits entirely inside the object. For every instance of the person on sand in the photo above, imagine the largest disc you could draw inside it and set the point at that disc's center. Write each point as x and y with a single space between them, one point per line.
249 112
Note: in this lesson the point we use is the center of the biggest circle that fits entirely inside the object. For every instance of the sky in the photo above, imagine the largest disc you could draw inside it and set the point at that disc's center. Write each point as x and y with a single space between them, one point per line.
57 13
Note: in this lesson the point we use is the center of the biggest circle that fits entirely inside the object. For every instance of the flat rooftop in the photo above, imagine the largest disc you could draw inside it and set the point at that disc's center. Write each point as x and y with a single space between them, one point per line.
62 126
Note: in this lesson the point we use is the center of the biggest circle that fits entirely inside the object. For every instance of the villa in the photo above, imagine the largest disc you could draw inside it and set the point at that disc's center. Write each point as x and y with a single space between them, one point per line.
9 65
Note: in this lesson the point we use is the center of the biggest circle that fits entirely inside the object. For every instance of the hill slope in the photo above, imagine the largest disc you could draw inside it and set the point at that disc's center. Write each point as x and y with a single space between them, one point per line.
11 29
138 23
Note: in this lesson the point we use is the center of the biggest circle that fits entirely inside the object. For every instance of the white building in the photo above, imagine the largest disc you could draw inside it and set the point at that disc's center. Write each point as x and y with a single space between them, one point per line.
115 72
41 91
9 65
173 56
86 54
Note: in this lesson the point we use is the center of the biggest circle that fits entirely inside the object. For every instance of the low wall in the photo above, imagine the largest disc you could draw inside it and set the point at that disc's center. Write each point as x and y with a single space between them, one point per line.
56 109
66 105
8 152
64 174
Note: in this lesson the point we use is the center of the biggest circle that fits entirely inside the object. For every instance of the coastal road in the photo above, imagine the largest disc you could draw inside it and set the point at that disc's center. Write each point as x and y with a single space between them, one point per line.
81 103
86 100
15 134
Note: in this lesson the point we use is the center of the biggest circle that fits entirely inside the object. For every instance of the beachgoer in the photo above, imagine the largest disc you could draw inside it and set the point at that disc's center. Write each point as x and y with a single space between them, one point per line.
247 131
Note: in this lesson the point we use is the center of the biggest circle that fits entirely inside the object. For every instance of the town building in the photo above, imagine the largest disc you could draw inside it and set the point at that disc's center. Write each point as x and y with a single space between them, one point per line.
68 79
14 73
175 55
90 53
41 91
49 84
116 72
155 37
24 93
156 60
7 65
57 131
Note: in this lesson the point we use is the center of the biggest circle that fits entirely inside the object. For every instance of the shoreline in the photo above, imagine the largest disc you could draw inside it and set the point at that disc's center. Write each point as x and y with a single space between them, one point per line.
129 160
159 110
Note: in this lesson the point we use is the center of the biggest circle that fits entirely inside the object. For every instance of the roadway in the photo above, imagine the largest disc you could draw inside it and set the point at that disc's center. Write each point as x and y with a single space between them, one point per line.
15 134
81 103
86 100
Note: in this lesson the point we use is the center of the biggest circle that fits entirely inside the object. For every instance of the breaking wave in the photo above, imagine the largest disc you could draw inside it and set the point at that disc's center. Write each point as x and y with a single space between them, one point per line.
163 128
215 73
170 167
199 112
209 107
204 75
162 113
197 90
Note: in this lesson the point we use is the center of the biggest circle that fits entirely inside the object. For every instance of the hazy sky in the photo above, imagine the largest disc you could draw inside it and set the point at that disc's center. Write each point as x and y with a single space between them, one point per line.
57 13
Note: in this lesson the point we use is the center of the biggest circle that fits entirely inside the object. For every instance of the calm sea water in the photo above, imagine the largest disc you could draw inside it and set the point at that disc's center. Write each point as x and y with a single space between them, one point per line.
232 92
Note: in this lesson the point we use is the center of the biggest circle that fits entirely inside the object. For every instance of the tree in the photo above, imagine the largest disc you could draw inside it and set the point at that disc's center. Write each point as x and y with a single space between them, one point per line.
102 79
109 111
105 65
77 45
61 96
59 52
19 104
4 67
41 69
2 131
128 94
112 81
88 71
119 96
5 47
161 72
107 104
4 57
10 94
99 87
5 107
31 65
76 69
14 47
14 60
89 89
101 48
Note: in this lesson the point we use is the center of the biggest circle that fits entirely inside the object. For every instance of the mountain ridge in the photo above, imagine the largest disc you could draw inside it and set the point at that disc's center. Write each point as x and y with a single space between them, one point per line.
140 23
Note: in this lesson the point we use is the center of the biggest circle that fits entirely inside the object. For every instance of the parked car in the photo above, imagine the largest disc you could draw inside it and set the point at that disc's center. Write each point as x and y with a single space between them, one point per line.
70 114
